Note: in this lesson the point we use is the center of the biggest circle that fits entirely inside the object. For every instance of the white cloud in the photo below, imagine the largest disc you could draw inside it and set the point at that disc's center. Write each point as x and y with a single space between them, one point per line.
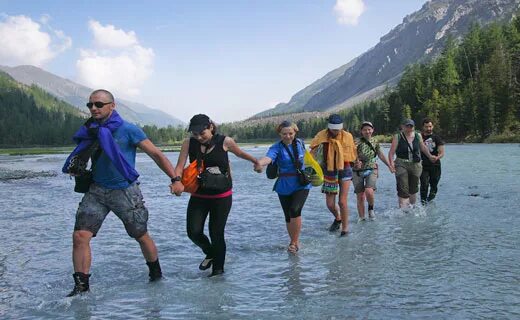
349 11
119 63
23 41
110 37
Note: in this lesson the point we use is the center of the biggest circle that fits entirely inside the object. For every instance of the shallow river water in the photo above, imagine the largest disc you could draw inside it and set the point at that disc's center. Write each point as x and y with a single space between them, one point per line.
458 258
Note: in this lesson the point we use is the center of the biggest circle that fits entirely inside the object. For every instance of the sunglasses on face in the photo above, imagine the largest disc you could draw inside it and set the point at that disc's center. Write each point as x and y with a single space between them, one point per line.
410 125
98 104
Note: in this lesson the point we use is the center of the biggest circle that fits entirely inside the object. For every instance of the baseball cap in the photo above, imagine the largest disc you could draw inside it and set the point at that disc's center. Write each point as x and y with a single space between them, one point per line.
335 122
409 122
198 123
367 123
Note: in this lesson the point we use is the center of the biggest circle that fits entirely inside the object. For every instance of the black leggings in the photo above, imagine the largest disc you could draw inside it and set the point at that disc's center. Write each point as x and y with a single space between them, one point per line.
292 204
218 210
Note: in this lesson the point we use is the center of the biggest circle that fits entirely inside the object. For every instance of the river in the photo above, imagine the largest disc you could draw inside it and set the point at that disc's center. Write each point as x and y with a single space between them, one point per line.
457 258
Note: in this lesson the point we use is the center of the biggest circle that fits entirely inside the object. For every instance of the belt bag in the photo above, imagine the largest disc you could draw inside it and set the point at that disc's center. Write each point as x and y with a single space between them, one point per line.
216 182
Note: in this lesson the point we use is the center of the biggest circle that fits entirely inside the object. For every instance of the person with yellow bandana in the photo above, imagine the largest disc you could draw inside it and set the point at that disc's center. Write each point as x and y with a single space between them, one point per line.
338 153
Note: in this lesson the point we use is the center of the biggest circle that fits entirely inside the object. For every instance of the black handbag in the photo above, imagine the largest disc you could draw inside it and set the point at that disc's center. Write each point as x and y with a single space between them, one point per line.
83 182
84 178
272 171
215 182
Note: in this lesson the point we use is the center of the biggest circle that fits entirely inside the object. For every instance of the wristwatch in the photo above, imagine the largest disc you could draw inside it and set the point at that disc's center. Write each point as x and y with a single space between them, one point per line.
175 179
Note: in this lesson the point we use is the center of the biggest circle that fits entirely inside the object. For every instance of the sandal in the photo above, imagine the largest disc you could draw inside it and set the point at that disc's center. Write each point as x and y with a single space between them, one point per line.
206 263
293 248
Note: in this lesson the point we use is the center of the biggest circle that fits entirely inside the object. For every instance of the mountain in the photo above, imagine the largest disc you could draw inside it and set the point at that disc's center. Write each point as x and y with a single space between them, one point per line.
419 38
31 116
77 95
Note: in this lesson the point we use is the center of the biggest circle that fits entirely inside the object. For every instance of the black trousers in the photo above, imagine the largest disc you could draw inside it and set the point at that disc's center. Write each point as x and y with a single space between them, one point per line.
292 204
430 177
218 210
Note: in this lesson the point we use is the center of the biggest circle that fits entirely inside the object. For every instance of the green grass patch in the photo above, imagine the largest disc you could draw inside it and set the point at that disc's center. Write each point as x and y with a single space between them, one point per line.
34 150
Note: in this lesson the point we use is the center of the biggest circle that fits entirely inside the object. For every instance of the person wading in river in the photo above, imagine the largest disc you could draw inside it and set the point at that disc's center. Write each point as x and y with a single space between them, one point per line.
213 196
338 152
407 146
431 171
115 186
365 173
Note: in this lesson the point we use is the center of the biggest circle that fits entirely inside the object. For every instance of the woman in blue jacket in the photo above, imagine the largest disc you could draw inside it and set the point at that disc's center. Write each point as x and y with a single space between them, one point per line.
288 154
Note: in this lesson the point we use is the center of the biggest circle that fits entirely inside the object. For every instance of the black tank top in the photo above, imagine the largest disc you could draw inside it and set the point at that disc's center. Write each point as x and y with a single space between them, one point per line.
402 150
215 158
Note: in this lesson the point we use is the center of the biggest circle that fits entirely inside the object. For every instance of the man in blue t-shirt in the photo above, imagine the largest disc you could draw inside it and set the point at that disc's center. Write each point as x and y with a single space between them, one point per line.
114 187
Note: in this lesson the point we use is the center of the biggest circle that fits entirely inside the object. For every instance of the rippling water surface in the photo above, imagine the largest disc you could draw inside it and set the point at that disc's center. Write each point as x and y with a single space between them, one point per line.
455 259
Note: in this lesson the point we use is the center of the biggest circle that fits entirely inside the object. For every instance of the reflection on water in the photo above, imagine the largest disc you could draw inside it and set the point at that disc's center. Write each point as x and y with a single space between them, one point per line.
456 258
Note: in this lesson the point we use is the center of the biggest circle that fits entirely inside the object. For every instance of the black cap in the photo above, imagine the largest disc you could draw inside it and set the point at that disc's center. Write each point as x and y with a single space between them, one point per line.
367 123
199 123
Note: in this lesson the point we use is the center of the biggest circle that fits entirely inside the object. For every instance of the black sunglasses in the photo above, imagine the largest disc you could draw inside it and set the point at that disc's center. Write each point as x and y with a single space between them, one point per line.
98 104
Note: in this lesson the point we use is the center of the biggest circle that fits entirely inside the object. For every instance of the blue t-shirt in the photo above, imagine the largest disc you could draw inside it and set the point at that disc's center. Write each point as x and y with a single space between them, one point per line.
286 185
127 136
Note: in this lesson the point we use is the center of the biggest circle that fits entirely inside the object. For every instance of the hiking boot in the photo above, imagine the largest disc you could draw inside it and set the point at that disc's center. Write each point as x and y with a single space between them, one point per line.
155 270
361 219
371 215
80 283
335 225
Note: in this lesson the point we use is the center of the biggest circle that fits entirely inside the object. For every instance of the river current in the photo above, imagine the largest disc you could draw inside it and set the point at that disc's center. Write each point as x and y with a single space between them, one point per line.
457 258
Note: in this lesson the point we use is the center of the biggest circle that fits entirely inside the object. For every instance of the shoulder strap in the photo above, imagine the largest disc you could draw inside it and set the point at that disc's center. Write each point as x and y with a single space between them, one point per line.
294 159
406 141
370 145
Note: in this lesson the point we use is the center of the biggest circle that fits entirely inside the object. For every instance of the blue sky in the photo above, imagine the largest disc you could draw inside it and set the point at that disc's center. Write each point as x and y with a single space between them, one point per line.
228 59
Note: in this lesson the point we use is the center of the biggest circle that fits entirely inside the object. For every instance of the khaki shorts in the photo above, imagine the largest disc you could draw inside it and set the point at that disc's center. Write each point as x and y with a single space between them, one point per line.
127 204
407 174
360 182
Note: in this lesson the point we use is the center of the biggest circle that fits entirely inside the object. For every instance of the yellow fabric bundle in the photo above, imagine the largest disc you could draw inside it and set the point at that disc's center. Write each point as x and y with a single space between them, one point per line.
341 148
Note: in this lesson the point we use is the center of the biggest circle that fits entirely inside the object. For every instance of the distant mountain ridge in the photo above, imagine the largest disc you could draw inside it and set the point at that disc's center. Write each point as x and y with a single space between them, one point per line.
419 38
76 95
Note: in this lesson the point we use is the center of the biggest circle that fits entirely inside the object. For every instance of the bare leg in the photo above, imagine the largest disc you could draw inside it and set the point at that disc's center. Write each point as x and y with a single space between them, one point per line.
343 204
148 247
413 198
330 200
369 192
293 228
404 203
81 253
360 197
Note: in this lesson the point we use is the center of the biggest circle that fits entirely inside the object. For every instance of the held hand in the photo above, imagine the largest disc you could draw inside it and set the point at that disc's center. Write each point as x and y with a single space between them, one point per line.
177 188
357 164
258 168
433 159
392 168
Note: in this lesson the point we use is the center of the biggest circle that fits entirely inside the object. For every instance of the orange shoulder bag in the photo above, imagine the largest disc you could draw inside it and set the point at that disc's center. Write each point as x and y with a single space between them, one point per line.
190 177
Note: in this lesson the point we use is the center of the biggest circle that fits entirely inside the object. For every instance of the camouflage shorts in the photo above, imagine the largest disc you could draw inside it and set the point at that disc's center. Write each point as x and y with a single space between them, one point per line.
127 204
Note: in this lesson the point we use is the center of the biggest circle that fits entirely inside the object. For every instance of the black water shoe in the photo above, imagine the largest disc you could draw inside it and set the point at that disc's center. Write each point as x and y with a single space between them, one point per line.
335 225
155 270
81 284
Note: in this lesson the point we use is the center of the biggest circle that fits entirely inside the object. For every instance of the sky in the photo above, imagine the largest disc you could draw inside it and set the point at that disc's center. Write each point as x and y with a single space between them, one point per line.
228 59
